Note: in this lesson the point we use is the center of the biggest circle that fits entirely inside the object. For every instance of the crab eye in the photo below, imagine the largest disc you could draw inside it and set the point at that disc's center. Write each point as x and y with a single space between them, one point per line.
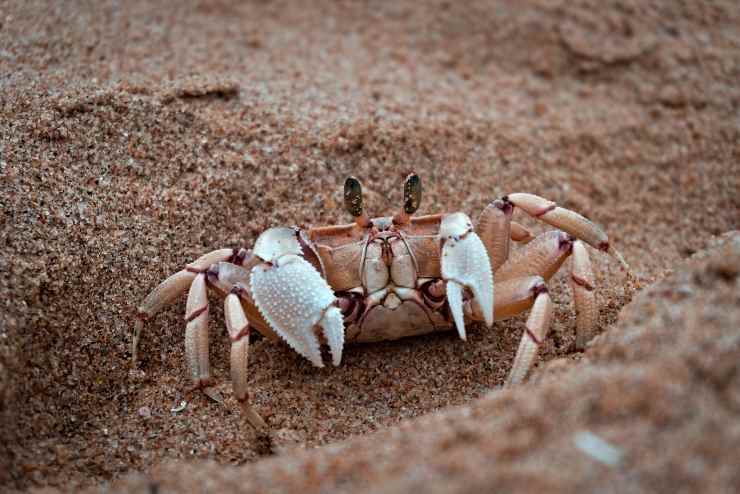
353 196
411 193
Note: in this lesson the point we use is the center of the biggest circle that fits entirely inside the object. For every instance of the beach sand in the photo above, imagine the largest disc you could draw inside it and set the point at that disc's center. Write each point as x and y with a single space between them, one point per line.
134 137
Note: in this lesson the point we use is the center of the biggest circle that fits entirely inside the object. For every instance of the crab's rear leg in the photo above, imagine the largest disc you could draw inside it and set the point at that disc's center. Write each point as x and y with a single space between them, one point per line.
514 297
160 297
566 220
543 257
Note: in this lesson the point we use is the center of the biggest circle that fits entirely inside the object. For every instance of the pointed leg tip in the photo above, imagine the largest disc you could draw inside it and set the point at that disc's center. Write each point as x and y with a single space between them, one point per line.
618 256
489 321
463 335
252 417
213 394
512 380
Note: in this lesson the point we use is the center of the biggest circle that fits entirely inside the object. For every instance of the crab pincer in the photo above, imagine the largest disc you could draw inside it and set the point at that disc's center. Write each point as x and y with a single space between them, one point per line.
293 297
465 265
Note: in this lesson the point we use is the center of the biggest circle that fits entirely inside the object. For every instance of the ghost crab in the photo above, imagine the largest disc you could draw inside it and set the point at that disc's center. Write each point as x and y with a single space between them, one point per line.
383 279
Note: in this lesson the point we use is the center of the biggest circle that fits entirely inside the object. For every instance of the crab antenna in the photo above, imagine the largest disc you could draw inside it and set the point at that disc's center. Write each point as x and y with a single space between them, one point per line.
353 201
411 199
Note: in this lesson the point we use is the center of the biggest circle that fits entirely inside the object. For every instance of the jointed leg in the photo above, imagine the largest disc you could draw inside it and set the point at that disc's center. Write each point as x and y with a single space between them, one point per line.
168 291
582 283
566 220
518 282
537 326
238 328
521 284
543 256
496 230
513 297
160 297
196 333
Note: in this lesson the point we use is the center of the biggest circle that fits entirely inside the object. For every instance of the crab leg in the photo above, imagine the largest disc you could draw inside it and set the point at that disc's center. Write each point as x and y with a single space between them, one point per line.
196 333
494 230
543 256
566 220
512 298
520 233
167 291
160 297
582 283
535 332
238 328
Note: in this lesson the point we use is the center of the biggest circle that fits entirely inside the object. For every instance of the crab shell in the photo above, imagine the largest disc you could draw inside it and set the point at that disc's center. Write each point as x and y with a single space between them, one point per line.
349 283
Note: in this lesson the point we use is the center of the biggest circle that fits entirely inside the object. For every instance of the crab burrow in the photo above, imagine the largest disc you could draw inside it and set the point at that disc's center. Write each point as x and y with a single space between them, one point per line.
382 279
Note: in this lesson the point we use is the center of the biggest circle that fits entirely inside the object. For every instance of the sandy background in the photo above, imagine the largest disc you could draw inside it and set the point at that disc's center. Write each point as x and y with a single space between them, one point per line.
135 137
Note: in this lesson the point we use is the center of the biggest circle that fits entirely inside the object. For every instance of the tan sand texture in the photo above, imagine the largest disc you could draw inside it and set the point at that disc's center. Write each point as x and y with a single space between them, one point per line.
611 423
136 136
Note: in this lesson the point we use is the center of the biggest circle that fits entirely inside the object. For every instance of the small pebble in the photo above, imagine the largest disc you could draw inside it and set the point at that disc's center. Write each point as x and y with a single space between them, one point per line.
597 448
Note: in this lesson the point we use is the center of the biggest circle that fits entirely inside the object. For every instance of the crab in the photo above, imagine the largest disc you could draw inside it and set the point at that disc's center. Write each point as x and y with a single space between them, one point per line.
383 279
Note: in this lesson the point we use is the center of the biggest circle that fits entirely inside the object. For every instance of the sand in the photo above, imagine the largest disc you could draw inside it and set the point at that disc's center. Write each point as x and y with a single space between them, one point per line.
135 137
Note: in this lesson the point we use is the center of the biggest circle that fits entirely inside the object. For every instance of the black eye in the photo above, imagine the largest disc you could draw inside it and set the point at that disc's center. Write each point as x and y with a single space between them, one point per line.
353 196
411 193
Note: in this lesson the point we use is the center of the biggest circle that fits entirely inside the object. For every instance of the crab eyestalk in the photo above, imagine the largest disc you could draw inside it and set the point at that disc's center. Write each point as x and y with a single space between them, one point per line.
353 201
411 199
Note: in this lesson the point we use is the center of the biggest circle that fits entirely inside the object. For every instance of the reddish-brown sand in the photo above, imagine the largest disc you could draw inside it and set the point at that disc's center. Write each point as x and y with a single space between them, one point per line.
136 136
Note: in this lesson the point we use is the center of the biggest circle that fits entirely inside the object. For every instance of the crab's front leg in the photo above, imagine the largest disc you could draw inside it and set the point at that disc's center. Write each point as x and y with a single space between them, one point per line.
238 328
536 327
293 298
465 265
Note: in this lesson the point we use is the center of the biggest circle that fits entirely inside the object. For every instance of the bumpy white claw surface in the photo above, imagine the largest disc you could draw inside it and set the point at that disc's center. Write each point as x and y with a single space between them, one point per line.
292 297
465 262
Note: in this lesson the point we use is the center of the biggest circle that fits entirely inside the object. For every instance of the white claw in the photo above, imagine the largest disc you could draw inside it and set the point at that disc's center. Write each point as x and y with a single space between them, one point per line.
333 324
465 263
276 242
455 300
292 297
